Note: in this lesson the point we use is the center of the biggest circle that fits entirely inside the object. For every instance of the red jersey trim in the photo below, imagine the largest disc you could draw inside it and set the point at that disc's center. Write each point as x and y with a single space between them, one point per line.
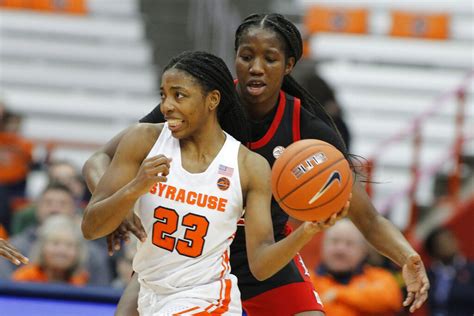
274 126
296 120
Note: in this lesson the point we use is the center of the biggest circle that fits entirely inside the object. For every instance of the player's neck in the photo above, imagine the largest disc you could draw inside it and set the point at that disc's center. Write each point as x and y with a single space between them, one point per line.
205 143
258 110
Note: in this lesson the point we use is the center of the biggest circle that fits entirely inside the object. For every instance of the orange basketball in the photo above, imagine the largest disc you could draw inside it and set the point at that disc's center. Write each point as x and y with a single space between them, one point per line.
311 180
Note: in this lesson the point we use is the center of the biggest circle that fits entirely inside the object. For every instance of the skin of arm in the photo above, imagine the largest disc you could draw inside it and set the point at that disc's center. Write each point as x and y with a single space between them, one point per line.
266 257
97 164
388 240
379 231
128 304
122 183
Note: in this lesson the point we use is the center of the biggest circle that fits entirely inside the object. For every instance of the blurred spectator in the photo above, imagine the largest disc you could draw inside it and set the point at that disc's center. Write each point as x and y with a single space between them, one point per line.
451 276
346 285
58 199
65 172
15 161
5 213
326 96
124 264
58 254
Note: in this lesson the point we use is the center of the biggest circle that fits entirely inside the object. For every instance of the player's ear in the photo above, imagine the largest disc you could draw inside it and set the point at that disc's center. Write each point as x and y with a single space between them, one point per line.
290 63
213 99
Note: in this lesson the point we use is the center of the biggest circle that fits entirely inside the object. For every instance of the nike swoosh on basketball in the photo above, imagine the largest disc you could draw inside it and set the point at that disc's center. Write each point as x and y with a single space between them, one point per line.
335 176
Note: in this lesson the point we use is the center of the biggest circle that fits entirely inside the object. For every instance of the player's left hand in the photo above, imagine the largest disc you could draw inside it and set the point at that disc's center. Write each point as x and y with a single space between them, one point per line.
316 227
11 253
414 275
131 224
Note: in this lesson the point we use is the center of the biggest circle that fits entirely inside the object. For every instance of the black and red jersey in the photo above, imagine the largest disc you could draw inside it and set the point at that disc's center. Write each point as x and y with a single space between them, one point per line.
286 123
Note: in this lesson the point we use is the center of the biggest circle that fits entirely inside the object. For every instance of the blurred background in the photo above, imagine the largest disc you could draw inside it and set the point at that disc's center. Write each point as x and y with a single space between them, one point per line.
397 77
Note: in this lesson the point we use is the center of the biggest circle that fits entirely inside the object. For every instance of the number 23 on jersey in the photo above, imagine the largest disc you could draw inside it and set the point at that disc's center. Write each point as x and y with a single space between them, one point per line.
192 243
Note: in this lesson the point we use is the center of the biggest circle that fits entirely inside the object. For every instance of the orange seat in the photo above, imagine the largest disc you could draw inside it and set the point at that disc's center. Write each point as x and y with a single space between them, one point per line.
54 6
342 20
410 24
61 6
16 4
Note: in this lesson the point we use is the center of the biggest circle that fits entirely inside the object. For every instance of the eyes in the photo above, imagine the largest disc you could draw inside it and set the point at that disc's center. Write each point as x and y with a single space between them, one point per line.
177 95
249 57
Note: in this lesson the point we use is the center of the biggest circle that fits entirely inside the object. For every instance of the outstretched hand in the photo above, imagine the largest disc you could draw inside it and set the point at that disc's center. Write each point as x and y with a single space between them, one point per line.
414 275
131 224
316 227
11 253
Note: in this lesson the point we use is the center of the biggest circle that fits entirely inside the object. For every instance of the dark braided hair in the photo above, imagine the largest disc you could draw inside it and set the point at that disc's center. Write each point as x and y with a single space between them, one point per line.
293 45
212 74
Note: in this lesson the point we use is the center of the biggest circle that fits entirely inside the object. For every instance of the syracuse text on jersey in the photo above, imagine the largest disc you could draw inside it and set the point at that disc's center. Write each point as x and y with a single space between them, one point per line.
189 197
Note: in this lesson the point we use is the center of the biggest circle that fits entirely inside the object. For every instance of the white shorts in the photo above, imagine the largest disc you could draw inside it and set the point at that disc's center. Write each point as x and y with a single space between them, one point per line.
217 298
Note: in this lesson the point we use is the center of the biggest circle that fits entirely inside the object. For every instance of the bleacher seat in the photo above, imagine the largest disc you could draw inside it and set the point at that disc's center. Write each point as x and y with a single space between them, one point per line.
90 28
390 50
393 78
396 103
77 77
75 52
80 105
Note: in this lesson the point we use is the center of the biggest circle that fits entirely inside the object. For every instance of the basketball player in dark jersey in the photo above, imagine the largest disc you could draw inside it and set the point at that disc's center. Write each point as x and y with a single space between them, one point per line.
281 112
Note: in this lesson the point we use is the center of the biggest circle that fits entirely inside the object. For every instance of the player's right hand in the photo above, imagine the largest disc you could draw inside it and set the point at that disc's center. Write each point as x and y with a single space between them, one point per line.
11 253
132 224
316 227
154 169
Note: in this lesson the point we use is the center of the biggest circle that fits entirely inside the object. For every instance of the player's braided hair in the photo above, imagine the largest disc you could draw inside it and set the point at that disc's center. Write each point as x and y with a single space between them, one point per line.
212 73
293 45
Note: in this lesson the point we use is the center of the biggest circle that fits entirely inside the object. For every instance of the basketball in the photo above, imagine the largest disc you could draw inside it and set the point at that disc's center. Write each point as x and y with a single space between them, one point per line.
311 180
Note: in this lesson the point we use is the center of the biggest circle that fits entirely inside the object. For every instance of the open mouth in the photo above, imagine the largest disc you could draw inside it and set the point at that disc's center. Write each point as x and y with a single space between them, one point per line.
174 124
255 87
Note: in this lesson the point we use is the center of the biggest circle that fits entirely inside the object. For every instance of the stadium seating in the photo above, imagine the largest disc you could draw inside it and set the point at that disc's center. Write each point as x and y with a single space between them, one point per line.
387 70
77 78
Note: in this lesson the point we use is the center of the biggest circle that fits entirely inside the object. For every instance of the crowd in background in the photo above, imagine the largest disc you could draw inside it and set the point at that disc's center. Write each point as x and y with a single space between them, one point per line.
47 230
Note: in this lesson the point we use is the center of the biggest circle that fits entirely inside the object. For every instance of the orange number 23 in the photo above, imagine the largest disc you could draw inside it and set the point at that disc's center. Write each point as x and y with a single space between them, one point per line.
167 224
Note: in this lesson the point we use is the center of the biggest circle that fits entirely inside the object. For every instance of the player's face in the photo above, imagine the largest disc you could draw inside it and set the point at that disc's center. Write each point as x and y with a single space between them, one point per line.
60 251
261 65
183 103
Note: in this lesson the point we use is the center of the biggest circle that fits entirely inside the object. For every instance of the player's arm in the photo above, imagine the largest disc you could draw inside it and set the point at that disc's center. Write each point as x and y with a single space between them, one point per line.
388 240
128 177
95 166
128 304
266 257
378 231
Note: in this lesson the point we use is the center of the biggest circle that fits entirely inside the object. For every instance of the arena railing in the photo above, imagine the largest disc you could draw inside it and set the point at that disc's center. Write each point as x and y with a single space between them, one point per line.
414 130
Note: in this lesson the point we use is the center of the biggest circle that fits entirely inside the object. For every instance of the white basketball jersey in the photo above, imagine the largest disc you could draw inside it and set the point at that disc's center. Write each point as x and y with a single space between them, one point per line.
190 220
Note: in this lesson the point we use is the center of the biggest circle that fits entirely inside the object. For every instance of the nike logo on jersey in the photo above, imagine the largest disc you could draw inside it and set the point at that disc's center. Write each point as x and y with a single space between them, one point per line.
335 176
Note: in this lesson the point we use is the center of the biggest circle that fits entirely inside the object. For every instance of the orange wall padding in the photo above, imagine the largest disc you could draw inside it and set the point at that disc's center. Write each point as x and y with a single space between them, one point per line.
410 24
53 6
343 20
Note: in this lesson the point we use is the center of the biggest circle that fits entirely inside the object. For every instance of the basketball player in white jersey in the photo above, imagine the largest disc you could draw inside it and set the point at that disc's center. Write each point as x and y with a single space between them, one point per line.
192 182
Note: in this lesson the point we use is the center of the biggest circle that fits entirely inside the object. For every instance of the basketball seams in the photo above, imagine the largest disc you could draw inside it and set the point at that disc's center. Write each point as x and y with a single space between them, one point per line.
291 193
325 203
307 180
289 160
